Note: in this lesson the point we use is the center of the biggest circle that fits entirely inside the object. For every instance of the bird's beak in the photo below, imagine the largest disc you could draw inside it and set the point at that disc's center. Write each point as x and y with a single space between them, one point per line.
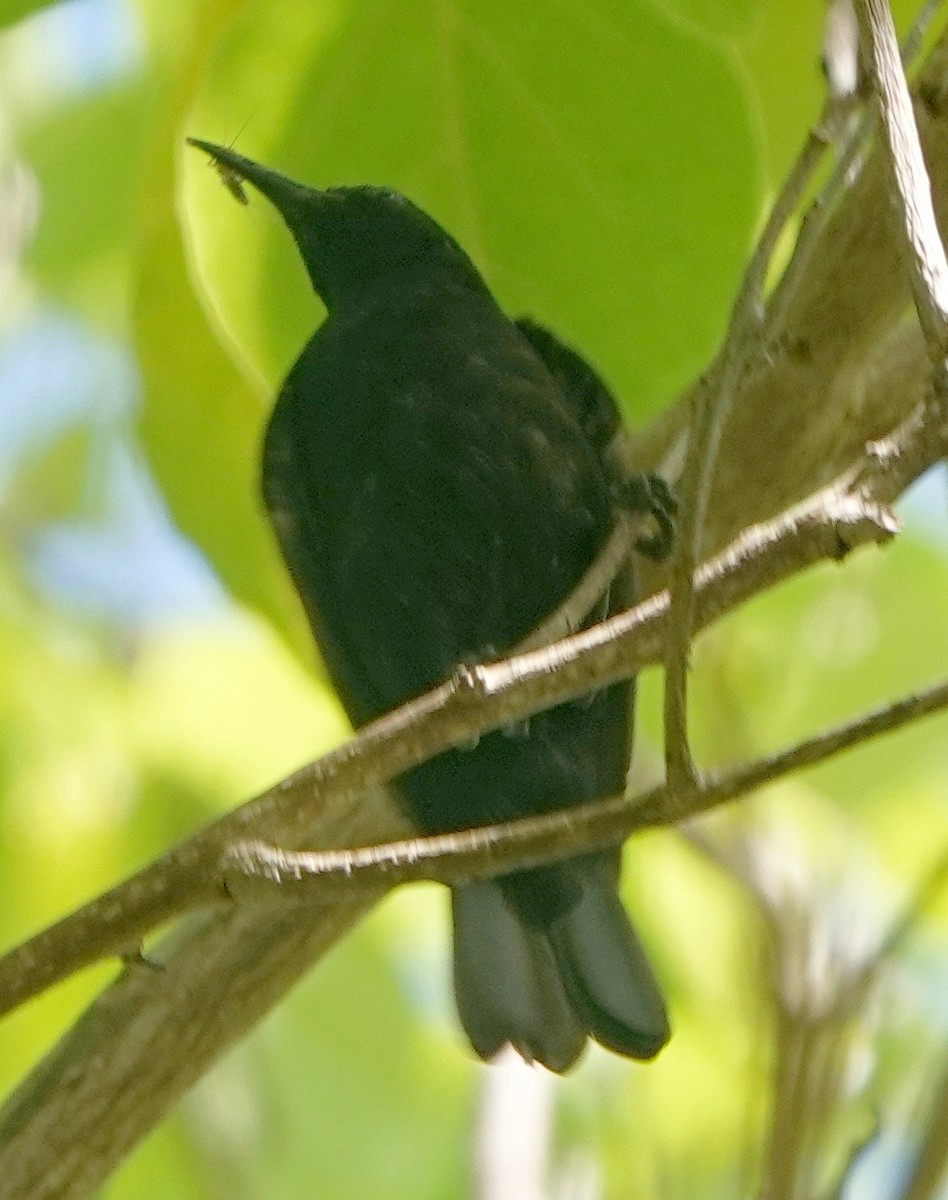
286 195
302 208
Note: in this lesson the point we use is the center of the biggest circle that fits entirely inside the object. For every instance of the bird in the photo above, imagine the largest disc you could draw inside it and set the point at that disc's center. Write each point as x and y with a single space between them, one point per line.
438 480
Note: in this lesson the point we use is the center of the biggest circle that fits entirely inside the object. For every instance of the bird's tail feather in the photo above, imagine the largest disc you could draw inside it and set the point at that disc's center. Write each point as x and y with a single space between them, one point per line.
507 982
605 972
546 990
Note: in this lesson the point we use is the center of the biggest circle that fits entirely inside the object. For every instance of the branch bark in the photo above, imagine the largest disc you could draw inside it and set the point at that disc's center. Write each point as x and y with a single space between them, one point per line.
909 183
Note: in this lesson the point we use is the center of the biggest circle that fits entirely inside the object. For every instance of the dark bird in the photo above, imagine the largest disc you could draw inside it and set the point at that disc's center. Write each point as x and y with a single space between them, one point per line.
438 480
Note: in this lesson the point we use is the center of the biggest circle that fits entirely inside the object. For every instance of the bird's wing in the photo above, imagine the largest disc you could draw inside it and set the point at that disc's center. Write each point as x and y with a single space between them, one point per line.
594 405
442 532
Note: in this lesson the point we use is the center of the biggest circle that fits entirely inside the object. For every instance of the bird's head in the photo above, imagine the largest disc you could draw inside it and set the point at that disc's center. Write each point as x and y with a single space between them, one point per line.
351 239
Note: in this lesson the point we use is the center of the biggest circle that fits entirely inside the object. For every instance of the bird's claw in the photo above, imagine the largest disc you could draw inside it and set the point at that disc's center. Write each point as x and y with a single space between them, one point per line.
647 493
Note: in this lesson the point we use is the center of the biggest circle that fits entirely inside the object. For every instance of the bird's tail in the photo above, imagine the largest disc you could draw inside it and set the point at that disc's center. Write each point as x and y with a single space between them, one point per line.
546 989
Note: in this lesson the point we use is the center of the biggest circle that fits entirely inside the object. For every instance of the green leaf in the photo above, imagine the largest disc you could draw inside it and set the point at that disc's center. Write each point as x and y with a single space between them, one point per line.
598 161
716 18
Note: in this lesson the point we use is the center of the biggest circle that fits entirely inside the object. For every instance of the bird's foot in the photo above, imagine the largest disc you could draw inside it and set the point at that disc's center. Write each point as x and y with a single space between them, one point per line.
648 494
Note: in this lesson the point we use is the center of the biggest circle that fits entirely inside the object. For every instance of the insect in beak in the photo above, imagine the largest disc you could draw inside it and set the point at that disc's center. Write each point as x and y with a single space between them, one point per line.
230 179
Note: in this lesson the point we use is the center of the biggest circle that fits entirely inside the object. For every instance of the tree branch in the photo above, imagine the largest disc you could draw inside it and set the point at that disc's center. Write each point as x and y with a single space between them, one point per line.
474 702
712 402
911 189
256 870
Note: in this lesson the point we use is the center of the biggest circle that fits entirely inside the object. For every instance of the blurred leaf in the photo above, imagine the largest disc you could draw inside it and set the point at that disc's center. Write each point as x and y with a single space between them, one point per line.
201 425
851 638
165 1159
12 11
392 1130
249 715
53 482
88 159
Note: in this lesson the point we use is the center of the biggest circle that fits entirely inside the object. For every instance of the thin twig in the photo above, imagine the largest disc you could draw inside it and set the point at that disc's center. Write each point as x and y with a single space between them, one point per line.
256 869
712 404
849 162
